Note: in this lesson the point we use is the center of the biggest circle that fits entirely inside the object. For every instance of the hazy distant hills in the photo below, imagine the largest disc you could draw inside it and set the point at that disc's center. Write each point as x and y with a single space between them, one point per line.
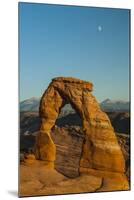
115 105
32 104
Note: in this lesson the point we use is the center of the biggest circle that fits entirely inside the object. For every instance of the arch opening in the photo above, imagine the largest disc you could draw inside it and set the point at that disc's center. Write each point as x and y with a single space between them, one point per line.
68 137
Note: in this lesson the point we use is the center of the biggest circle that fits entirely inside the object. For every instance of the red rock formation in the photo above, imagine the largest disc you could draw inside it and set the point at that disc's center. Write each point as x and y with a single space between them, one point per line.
101 150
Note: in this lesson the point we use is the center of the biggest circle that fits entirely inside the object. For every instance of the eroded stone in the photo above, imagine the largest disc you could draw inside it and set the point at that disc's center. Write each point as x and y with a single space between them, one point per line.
101 149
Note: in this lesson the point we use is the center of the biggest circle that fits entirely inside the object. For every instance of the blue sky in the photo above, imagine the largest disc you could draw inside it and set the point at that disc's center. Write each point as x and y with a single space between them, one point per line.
83 42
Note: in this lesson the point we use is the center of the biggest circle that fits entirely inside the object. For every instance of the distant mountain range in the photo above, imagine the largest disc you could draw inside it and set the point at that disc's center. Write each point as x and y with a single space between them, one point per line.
115 105
108 105
31 104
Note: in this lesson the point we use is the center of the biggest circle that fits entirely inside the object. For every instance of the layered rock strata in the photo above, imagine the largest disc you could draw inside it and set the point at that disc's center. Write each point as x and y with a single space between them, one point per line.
101 150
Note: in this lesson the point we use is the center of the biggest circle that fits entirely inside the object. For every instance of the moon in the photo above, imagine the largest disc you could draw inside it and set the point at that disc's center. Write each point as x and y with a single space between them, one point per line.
99 28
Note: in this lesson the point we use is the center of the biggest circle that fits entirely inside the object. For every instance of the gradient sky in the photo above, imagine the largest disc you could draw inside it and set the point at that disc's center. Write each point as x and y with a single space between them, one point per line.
83 42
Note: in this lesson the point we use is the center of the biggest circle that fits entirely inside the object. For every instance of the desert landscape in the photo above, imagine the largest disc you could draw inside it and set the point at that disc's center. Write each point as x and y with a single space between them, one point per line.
74 134
69 143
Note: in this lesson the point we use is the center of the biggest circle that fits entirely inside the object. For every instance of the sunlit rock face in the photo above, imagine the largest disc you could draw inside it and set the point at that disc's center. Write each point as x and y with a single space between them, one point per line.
100 149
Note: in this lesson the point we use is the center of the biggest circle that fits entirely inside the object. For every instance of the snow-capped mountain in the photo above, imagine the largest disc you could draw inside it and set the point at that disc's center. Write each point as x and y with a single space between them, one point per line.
115 105
31 104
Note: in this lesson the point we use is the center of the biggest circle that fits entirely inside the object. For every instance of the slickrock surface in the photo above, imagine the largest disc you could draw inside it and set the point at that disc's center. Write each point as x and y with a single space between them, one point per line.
111 181
101 149
39 179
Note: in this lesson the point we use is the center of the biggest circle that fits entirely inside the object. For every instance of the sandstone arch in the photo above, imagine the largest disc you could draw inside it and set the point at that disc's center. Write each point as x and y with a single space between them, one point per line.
101 150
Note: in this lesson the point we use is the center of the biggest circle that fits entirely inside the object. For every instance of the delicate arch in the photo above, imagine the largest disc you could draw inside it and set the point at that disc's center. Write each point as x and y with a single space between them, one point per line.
101 149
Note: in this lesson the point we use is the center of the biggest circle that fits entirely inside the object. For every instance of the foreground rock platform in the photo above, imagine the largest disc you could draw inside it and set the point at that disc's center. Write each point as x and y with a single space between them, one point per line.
37 178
